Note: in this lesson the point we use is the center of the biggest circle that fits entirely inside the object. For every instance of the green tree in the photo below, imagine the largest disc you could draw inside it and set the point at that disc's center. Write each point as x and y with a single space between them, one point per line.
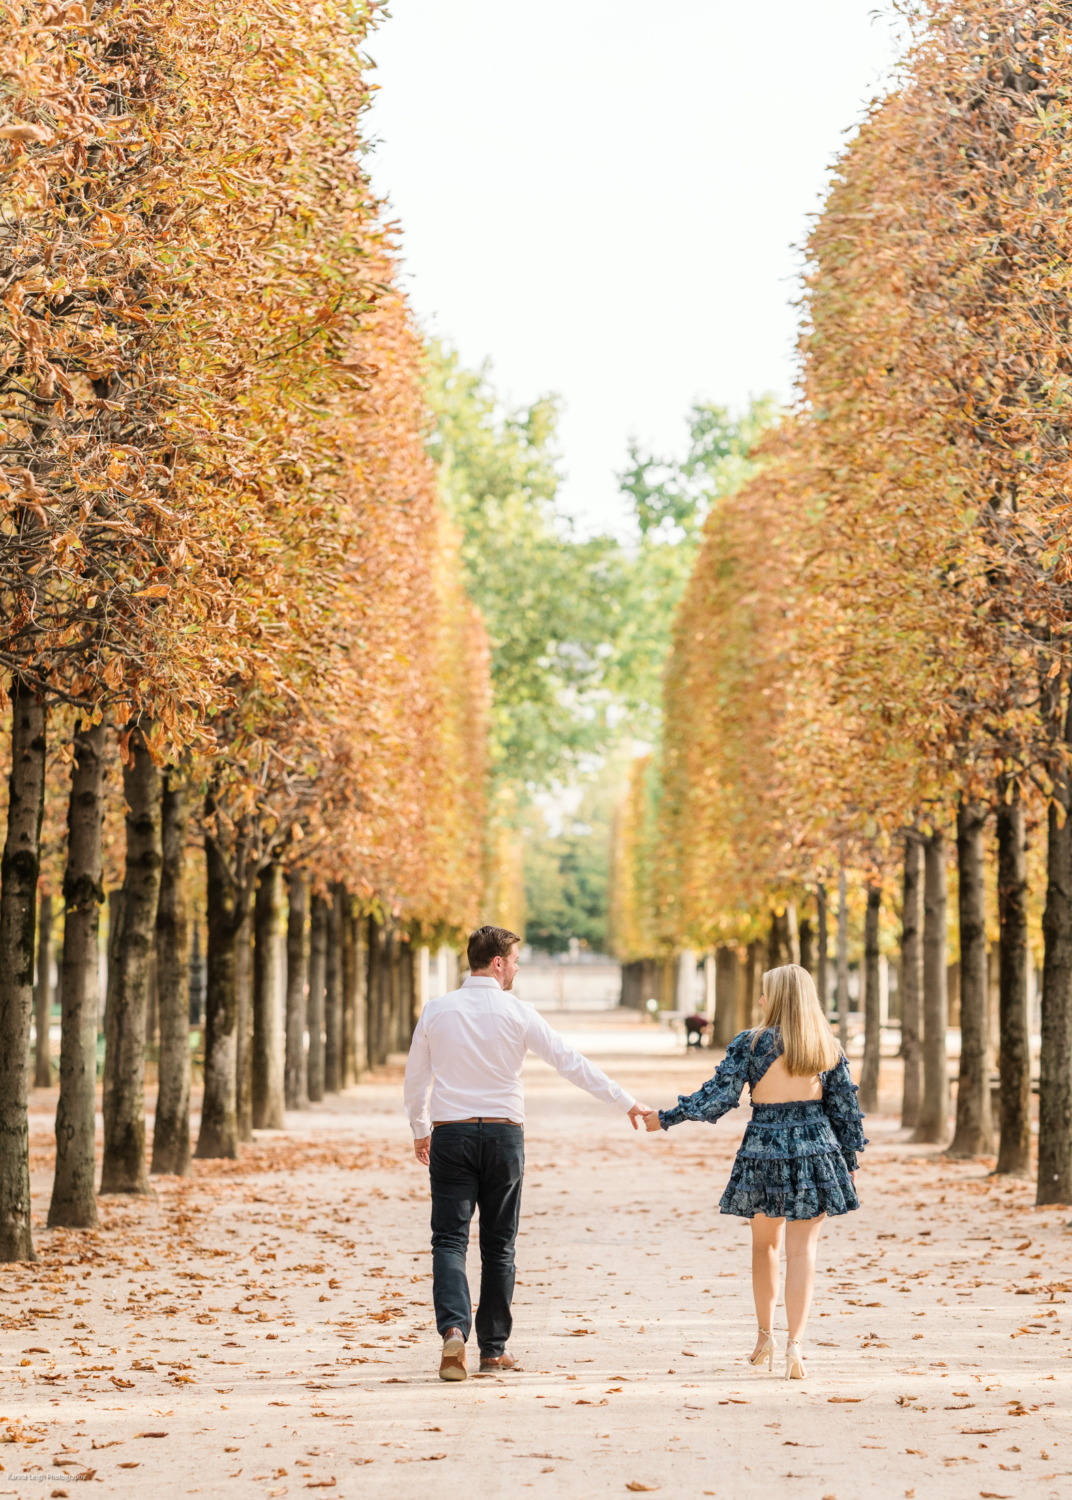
550 599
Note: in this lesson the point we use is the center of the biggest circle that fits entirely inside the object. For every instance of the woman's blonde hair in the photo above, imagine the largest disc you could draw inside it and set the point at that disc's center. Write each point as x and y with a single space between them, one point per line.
809 1046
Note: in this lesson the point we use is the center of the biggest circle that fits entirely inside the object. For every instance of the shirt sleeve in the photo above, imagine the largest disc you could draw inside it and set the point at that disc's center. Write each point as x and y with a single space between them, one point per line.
718 1094
842 1110
418 1083
551 1046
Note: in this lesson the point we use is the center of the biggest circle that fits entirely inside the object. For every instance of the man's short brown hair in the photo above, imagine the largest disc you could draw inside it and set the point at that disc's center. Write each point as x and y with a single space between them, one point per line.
487 943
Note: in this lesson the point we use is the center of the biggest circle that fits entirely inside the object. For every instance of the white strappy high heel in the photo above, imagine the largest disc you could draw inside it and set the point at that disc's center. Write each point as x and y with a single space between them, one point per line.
794 1361
767 1350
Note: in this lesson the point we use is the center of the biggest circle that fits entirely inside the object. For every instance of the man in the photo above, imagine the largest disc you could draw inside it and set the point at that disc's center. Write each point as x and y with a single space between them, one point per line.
468 1047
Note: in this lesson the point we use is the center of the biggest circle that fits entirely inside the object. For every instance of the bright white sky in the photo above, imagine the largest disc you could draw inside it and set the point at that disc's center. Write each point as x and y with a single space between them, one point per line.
603 198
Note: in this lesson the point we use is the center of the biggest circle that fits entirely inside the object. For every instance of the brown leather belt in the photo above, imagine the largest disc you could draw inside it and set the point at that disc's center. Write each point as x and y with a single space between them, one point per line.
476 1120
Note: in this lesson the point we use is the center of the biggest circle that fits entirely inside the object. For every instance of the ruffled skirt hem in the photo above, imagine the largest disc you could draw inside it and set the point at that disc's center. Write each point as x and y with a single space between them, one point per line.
800 1187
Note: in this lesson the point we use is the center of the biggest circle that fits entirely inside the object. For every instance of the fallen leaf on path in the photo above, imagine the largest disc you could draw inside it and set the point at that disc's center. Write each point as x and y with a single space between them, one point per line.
636 1486
130 1466
846 1400
150 1434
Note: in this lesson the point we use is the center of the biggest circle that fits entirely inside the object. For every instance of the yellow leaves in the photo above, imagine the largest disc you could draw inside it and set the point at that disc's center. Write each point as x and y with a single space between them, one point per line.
154 591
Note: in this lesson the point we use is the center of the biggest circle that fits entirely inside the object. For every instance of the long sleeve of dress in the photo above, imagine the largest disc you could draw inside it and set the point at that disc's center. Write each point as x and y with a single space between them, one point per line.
718 1094
843 1112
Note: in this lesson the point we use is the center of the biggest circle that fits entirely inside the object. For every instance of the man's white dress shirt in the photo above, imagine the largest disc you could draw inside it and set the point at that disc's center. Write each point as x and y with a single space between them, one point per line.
468 1046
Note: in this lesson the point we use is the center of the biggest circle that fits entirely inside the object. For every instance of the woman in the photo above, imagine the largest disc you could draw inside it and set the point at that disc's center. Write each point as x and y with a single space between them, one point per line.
797 1162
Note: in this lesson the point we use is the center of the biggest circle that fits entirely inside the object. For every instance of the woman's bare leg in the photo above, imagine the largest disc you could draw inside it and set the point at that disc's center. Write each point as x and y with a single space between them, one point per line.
766 1245
801 1242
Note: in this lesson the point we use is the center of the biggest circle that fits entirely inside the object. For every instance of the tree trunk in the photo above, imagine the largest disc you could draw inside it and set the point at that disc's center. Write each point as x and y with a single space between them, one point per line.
244 1028
359 930
123 1169
318 950
18 912
807 946
268 1036
225 901
1055 1076
822 981
376 966
74 1201
869 1076
333 999
43 996
933 1126
1014 1149
171 1128
349 988
727 983
408 966
294 1084
843 962
974 1134
912 982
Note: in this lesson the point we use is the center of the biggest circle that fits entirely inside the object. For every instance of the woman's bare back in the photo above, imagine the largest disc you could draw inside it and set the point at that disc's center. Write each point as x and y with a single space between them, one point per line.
779 1087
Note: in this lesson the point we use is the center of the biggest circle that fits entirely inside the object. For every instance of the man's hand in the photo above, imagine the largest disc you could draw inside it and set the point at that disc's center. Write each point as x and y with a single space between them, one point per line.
641 1112
651 1121
421 1149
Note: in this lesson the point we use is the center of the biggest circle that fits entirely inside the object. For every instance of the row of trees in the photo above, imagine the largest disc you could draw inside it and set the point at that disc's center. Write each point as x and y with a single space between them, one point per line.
226 577
871 661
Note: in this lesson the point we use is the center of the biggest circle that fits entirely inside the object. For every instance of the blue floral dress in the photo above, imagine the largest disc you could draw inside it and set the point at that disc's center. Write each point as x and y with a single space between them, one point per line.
795 1159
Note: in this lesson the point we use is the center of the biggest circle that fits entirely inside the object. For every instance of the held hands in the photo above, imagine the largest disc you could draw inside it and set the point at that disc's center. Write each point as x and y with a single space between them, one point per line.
641 1112
651 1120
421 1149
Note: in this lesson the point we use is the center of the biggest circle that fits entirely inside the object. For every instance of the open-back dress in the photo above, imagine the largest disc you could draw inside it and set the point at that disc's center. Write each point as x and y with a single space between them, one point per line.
795 1159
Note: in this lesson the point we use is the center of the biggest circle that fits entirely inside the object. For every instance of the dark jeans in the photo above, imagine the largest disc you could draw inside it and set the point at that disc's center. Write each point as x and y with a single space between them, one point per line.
476 1166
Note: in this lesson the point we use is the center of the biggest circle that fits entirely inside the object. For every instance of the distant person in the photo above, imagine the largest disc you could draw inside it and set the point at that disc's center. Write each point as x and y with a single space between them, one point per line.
797 1161
468 1048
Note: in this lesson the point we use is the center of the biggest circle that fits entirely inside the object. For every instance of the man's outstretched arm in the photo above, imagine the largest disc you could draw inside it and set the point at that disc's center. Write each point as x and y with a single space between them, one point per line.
573 1065
418 1082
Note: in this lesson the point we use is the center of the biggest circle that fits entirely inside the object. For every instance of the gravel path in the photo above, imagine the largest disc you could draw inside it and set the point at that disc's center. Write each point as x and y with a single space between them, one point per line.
265 1327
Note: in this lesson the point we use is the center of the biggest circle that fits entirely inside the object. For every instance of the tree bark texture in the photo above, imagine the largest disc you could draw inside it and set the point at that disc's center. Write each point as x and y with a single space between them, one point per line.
1014 1147
912 982
333 1063
359 930
1055 1074
43 996
727 983
19 873
349 986
269 1042
869 1077
244 1028
171 1128
974 1134
74 1201
377 972
822 981
318 952
807 946
778 940
294 1079
225 907
933 1125
123 1169
843 962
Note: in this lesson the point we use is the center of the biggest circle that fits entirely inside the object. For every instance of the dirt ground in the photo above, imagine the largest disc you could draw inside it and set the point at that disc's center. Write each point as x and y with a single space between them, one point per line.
940 1345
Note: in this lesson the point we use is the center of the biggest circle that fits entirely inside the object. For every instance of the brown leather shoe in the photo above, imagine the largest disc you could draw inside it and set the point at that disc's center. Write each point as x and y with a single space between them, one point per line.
452 1364
492 1366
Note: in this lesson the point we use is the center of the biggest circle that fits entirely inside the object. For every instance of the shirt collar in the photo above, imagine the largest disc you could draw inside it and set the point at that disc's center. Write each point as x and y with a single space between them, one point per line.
481 981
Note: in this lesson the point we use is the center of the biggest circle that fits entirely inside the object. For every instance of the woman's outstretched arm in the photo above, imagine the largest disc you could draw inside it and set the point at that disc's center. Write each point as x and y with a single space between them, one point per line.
718 1094
843 1112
